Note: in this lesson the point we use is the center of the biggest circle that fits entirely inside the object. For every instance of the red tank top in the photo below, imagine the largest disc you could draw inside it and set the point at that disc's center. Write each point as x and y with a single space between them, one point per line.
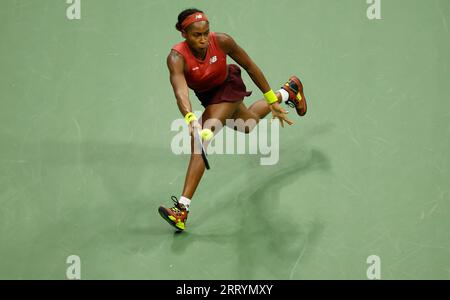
203 75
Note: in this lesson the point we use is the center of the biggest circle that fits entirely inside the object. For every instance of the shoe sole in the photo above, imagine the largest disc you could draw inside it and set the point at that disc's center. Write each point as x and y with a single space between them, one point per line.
164 215
306 106
300 90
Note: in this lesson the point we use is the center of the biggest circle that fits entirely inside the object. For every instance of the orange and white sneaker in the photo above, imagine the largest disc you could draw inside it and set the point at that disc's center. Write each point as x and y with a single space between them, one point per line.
176 215
296 99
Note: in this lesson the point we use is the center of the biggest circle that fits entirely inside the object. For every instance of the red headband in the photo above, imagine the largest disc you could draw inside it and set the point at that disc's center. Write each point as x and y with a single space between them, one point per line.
196 17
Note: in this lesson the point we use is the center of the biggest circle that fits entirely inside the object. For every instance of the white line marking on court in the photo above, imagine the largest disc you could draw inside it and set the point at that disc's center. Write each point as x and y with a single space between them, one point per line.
349 189
131 137
39 73
433 209
379 138
174 179
79 151
298 259
14 161
444 21
352 137
78 127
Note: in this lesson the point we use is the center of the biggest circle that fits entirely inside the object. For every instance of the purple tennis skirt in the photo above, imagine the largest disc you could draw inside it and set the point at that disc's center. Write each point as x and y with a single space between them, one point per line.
231 90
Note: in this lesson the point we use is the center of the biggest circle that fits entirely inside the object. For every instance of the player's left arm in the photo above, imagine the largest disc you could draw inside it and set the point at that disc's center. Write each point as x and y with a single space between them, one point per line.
231 48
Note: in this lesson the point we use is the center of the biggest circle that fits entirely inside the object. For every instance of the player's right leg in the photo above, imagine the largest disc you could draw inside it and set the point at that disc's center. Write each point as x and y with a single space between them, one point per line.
214 117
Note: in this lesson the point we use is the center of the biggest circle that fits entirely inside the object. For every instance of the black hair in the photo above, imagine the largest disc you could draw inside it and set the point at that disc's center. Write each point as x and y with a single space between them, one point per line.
184 14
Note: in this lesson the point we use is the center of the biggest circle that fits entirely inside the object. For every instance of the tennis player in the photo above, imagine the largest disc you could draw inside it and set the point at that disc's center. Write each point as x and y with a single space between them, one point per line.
200 63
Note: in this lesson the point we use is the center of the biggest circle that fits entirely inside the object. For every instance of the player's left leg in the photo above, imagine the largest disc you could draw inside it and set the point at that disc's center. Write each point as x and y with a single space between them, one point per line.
259 109
245 119
292 95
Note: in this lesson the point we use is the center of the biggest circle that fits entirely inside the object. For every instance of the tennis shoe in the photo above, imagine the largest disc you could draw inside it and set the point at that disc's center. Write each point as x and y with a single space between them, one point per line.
176 215
296 99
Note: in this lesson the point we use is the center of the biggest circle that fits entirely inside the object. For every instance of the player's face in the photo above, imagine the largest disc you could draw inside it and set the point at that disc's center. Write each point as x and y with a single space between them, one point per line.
197 36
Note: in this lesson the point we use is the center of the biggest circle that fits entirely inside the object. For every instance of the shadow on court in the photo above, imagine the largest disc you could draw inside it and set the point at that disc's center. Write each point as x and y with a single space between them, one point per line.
104 187
115 189
267 234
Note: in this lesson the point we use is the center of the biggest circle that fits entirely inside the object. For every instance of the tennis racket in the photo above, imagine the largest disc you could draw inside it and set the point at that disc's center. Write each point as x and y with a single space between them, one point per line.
198 140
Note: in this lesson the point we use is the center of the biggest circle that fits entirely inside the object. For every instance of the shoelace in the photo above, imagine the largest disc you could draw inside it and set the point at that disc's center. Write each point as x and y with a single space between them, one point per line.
290 103
175 208
293 86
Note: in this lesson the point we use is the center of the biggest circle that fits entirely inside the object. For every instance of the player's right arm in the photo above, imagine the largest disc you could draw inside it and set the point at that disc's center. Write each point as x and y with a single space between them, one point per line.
175 63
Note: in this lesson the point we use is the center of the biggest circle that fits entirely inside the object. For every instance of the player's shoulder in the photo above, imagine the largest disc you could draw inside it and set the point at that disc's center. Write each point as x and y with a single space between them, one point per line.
225 41
175 59
174 54
223 37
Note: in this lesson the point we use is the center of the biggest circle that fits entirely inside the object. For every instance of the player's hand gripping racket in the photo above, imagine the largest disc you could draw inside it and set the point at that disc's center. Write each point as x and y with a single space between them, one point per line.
199 142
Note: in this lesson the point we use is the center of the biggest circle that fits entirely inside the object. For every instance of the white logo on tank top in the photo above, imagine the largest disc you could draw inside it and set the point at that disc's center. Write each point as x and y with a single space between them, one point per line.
195 68
213 59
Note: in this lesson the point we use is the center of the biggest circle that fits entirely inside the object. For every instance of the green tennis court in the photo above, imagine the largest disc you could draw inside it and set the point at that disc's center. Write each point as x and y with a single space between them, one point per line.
85 144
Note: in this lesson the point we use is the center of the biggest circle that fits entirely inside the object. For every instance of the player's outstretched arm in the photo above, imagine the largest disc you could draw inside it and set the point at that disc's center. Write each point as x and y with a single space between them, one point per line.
231 48
175 63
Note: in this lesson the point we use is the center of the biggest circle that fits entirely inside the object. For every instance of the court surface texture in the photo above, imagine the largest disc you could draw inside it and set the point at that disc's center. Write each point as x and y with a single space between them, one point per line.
85 144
